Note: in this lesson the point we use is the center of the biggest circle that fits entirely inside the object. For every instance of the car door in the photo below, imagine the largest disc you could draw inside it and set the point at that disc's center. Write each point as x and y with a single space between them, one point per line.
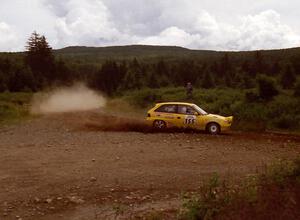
168 113
188 116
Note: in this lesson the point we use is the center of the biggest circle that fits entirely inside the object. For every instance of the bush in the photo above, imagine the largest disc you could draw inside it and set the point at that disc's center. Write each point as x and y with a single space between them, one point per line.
297 89
213 196
271 195
251 96
249 112
144 97
266 87
286 122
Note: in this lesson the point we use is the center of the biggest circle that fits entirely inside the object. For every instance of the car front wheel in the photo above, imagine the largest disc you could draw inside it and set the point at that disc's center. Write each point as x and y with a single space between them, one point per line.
159 124
213 128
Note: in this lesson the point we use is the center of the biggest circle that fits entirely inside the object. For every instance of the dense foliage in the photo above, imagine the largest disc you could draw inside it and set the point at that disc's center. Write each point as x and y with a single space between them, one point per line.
273 194
260 77
117 69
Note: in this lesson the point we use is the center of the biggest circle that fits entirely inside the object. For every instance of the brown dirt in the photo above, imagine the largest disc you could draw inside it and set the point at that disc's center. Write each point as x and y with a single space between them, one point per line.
96 166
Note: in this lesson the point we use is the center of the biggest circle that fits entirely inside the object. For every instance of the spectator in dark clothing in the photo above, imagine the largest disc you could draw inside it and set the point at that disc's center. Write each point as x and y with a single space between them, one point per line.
189 90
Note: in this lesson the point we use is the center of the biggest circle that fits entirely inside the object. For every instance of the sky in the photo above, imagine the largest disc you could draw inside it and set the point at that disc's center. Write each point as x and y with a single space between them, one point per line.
196 24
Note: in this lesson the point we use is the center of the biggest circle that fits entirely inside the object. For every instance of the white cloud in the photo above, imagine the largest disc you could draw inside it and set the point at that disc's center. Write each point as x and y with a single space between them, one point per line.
8 38
196 24
85 23
266 30
261 31
171 36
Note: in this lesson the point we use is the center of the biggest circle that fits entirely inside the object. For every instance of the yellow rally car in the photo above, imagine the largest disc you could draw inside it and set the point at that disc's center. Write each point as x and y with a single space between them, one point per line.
186 115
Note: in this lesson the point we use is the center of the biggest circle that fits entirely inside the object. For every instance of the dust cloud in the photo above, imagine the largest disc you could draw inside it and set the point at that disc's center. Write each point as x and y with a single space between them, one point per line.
67 99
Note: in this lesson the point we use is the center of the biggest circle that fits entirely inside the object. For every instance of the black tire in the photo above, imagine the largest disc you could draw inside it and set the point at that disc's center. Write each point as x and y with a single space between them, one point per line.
159 125
213 128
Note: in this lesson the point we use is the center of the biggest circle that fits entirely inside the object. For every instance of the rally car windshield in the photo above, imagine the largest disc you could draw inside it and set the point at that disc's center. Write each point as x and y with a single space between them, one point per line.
200 110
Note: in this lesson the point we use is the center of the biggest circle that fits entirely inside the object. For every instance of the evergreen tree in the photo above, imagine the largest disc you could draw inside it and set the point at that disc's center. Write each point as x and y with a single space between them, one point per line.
185 71
153 81
288 78
62 73
226 71
21 80
3 83
296 63
266 87
134 76
39 58
275 69
5 65
207 81
259 65
248 82
297 89
161 74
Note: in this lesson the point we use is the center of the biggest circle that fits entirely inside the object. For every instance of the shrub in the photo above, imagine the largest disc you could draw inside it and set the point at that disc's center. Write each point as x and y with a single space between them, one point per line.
206 205
144 97
271 195
266 87
251 96
286 122
297 89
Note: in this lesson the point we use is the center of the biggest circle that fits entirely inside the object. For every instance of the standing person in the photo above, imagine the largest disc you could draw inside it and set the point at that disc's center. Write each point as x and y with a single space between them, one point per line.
189 90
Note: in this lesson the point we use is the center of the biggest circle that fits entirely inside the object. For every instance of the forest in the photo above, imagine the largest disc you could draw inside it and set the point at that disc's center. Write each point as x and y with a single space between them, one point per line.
257 85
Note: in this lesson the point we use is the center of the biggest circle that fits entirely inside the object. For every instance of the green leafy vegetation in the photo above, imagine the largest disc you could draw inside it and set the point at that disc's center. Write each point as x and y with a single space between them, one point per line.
272 195
261 89
258 114
14 107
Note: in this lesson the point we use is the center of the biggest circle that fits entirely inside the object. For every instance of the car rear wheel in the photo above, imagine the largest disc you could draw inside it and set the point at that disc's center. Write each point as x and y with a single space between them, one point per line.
213 128
159 124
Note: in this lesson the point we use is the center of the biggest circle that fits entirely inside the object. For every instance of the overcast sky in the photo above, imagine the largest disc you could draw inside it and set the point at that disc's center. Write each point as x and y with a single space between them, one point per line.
195 24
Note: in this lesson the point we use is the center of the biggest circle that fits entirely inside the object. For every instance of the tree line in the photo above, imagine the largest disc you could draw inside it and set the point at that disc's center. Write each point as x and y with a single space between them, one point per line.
38 68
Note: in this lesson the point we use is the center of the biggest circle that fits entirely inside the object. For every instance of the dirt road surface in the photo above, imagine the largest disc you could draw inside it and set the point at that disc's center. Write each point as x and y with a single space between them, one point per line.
90 166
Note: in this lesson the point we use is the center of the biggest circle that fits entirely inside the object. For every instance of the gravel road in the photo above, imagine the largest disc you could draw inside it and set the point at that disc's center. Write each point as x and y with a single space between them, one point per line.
95 166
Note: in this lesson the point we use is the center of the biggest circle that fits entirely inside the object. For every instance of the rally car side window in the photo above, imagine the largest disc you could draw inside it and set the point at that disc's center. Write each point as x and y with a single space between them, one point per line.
186 110
167 109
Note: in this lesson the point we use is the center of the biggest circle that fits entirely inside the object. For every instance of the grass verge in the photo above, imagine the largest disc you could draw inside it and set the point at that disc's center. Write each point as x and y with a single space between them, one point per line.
14 107
272 195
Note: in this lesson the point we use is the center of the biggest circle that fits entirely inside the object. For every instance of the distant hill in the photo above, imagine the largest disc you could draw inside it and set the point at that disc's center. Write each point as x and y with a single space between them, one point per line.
99 54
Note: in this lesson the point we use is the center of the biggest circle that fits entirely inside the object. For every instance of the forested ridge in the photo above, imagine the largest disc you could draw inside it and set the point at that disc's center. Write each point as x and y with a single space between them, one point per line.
114 69
258 87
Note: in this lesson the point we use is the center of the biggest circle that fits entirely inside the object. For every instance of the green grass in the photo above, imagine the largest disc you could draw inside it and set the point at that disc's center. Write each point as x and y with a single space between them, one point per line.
281 113
14 107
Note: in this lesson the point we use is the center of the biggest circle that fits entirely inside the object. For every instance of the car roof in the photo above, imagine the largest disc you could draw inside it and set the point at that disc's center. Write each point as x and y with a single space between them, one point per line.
175 103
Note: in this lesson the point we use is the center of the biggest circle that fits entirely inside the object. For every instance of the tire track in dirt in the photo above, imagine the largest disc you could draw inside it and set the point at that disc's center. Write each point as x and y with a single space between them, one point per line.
105 160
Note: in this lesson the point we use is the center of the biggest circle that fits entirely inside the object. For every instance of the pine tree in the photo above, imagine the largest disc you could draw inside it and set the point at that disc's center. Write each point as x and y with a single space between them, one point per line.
161 74
266 87
2 82
276 68
288 78
207 81
297 89
134 76
39 58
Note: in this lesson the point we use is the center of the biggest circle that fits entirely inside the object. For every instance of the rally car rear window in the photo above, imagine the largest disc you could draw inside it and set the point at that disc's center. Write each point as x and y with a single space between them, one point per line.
167 109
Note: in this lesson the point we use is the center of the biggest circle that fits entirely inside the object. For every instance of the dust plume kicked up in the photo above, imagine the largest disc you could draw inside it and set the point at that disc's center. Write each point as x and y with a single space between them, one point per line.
67 99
